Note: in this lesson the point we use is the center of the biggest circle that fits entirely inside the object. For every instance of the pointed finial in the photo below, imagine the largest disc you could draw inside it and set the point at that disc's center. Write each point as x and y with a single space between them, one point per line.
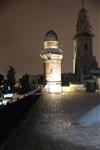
82 3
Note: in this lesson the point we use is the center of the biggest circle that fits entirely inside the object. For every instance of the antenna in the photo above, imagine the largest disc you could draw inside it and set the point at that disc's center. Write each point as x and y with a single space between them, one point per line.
82 3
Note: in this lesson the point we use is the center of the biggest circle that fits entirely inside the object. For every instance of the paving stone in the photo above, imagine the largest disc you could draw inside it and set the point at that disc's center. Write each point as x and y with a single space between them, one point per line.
47 126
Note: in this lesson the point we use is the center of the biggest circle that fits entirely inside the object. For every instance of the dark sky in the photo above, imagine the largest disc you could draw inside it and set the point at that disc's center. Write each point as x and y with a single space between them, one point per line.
23 24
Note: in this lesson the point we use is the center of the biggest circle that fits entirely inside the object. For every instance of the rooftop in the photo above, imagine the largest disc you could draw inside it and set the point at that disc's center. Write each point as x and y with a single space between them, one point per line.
47 126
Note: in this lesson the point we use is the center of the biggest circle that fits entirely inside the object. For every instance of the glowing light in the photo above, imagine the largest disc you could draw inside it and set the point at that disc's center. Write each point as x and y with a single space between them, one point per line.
6 101
50 44
8 95
74 88
54 88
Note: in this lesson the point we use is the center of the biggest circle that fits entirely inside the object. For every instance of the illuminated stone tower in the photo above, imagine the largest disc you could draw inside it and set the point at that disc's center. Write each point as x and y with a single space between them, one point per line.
52 56
83 60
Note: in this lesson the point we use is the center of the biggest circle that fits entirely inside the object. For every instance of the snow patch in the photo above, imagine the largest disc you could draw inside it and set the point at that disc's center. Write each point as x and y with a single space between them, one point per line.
90 118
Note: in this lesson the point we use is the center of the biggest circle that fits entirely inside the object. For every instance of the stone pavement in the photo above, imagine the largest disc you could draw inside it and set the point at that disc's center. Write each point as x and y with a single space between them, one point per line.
47 126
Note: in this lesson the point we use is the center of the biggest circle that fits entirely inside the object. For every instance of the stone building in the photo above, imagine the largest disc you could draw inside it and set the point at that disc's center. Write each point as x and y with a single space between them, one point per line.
52 56
84 60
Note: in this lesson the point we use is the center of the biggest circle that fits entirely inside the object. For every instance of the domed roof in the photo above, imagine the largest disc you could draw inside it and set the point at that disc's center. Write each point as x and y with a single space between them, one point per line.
51 36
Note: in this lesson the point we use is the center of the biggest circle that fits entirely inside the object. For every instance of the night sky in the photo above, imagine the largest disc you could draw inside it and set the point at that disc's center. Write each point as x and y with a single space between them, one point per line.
23 24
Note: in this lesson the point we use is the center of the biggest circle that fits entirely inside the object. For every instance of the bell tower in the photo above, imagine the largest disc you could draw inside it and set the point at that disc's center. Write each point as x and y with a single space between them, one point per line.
83 60
52 56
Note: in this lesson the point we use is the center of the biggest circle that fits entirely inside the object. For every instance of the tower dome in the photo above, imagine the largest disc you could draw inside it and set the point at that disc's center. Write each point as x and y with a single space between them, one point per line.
51 36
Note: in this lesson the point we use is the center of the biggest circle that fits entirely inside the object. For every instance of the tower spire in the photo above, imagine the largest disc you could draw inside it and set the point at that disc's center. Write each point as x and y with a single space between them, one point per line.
82 3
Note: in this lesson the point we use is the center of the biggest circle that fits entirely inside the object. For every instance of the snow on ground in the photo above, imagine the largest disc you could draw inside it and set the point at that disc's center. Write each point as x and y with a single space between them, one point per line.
90 118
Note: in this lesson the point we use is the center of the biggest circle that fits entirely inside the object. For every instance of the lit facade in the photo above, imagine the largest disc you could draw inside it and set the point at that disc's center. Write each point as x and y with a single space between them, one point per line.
52 56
